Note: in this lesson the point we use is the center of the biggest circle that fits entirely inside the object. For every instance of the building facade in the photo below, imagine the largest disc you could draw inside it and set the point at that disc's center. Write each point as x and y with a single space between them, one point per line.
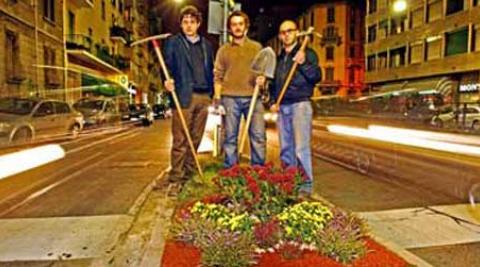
430 47
340 48
31 39
75 48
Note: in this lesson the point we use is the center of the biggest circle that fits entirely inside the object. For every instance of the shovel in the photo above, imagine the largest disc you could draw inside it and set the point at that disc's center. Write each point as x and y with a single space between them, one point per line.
264 65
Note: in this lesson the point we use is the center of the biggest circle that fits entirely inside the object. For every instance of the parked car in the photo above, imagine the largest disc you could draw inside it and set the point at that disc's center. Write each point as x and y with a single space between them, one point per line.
25 119
98 111
159 111
145 113
471 114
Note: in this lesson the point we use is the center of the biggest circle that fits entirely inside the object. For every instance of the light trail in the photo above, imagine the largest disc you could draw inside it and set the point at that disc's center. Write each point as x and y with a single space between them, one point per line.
17 162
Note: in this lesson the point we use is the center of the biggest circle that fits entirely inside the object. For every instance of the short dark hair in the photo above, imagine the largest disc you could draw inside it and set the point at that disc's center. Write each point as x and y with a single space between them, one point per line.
191 11
238 14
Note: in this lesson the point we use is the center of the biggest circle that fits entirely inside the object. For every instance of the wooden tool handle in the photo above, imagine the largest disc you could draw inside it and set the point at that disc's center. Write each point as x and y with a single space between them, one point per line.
178 106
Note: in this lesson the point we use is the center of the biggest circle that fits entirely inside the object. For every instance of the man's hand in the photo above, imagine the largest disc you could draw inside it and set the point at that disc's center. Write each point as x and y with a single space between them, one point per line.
299 57
274 108
261 80
169 85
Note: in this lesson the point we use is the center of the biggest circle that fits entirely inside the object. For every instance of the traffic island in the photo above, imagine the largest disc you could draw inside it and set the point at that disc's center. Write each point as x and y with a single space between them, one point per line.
257 216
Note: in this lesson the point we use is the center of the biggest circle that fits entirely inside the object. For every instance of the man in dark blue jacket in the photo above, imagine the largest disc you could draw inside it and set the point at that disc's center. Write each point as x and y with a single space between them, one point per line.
295 110
189 58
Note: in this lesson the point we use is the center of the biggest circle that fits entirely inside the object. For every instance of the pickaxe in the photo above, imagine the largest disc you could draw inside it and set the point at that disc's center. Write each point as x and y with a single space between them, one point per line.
294 67
156 46
263 64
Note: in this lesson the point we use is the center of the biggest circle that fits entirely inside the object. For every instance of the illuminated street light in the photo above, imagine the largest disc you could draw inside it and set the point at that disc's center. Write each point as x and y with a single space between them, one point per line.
178 1
400 6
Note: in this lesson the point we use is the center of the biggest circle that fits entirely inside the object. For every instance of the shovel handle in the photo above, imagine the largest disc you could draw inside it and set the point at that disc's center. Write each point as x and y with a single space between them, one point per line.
253 103
291 73
178 106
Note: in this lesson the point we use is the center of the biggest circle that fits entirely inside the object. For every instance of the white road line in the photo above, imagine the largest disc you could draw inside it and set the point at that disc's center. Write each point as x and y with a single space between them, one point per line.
100 142
60 182
31 186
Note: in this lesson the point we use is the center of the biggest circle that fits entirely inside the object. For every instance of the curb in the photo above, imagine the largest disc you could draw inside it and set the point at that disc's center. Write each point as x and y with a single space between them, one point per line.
120 235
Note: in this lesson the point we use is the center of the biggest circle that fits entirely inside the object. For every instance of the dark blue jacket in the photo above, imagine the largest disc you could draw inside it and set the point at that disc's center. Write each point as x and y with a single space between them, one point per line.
178 61
303 82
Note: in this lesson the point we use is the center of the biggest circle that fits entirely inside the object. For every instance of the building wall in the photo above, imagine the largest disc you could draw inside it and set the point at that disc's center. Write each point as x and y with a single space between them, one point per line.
422 35
34 33
345 17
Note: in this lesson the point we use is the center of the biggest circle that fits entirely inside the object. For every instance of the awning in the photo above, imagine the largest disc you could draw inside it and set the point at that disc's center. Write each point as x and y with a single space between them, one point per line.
88 60
103 87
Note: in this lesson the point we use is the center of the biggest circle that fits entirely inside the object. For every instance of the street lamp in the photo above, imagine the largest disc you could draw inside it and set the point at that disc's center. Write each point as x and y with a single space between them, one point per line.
399 6
178 1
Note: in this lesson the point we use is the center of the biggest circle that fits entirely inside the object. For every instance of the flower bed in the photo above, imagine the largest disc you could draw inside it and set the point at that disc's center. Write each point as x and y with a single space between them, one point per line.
256 218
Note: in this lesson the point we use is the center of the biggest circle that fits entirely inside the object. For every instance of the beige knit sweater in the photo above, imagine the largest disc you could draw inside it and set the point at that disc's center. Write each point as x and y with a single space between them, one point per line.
232 68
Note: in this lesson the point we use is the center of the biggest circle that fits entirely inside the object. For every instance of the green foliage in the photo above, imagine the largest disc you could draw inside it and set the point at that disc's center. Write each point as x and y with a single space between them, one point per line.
342 238
228 249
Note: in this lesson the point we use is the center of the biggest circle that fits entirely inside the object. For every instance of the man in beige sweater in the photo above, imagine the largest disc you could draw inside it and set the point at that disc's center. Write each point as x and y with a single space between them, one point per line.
234 84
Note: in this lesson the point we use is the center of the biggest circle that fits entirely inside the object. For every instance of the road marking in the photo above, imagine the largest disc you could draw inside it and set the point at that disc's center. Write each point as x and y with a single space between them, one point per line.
100 141
31 186
60 182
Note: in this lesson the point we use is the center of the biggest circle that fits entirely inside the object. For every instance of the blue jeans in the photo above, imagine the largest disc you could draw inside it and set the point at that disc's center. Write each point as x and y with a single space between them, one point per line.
295 126
235 108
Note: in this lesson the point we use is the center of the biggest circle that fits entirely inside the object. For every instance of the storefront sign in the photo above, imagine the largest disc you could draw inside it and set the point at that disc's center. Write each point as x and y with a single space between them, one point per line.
469 88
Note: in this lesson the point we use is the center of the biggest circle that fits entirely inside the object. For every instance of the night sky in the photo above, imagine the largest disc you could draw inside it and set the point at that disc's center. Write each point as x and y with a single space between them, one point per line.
265 15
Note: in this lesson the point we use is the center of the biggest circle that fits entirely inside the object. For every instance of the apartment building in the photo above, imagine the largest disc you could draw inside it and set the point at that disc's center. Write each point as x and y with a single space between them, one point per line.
31 41
340 49
429 47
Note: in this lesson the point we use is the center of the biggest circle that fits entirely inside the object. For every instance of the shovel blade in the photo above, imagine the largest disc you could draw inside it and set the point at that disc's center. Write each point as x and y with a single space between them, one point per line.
264 62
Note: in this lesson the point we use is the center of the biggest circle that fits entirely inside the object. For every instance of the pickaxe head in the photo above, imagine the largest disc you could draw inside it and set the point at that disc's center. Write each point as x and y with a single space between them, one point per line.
150 39
310 31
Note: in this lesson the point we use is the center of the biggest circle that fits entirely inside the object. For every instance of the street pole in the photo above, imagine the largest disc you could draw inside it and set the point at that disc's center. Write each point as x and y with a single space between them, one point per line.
225 21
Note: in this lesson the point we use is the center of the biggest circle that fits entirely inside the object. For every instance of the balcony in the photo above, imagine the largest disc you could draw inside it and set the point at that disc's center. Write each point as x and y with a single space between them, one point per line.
119 34
86 55
81 3
123 63
79 42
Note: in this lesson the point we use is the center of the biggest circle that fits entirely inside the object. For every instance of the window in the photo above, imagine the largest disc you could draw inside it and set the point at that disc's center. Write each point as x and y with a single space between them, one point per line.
397 57
433 48
371 60
312 18
454 6
329 53
434 11
398 25
114 3
476 39
329 74
456 42
104 16
475 2
331 14
13 68
383 29
372 7
352 32
61 108
49 9
382 4
372 33
416 19
51 75
416 53
351 75
382 60
352 52
120 6
45 109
